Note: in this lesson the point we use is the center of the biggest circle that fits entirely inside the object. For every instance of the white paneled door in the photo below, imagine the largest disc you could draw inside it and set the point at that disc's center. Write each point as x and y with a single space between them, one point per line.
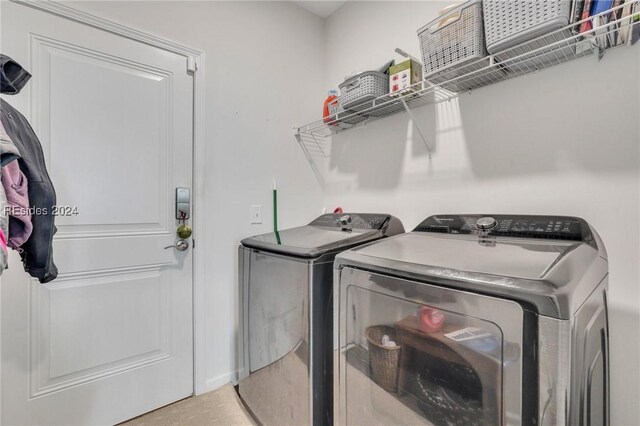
112 337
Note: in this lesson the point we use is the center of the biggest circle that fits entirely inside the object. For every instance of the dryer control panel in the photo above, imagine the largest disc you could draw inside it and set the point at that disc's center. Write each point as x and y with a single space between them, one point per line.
517 226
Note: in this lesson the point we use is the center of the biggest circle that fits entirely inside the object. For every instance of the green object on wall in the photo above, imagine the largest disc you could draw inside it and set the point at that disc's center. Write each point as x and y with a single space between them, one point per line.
275 212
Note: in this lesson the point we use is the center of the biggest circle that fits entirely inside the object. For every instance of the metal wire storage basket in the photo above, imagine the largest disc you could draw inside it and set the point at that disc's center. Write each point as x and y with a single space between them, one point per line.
454 40
510 23
358 92
384 360
515 28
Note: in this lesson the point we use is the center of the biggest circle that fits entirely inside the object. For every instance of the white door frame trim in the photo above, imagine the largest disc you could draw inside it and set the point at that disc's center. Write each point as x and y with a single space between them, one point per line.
192 56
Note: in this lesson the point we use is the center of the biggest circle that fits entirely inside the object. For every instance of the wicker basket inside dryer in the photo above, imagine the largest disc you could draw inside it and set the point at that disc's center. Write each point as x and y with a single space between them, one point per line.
384 360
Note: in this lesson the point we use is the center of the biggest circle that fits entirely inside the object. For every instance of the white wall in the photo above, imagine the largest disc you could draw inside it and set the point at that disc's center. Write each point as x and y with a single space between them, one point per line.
263 74
563 141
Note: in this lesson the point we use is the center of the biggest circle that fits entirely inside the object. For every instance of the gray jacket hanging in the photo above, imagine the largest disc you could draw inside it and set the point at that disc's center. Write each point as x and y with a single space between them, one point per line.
37 251
13 78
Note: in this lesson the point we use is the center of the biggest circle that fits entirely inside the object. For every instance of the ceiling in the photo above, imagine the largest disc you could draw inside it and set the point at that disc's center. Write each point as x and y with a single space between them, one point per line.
322 8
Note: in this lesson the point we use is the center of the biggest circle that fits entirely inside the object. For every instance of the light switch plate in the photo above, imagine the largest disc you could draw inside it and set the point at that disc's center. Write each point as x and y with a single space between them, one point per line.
256 214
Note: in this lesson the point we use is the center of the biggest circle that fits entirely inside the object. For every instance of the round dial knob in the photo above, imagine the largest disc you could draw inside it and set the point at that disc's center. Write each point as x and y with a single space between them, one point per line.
486 223
345 220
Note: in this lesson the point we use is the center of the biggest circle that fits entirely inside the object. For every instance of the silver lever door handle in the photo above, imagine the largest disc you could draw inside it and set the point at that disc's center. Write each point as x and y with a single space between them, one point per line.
180 245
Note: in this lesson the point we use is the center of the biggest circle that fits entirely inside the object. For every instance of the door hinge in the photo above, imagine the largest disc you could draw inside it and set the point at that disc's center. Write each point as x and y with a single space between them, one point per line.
192 64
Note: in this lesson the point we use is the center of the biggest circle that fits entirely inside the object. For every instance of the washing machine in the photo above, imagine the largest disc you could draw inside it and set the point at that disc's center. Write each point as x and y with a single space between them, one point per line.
474 319
285 334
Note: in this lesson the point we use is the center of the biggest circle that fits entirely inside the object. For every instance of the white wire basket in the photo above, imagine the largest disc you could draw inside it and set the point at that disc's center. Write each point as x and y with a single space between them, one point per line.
358 92
452 41
529 25
510 23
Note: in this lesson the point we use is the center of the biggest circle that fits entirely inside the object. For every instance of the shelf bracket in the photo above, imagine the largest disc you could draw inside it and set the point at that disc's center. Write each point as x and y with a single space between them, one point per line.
415 124
305 150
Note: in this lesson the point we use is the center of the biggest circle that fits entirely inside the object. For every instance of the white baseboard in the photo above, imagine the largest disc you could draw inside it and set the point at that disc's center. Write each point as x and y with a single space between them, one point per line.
217 382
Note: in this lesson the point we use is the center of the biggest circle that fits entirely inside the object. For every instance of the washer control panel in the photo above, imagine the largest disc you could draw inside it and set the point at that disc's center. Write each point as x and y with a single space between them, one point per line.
353 220
516 226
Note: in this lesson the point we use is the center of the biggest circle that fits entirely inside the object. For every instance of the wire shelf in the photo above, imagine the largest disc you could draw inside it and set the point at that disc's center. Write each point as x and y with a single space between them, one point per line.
608 30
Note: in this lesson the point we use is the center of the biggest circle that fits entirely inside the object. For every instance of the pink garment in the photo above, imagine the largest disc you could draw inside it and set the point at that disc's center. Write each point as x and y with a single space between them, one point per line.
16 187
3 242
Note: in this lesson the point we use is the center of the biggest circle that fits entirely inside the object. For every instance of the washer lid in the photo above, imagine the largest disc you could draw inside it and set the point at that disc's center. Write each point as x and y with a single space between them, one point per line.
516 259
554 275
328 233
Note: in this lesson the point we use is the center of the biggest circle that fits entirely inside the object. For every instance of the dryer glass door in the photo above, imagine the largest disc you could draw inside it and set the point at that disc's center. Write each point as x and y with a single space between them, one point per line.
412 353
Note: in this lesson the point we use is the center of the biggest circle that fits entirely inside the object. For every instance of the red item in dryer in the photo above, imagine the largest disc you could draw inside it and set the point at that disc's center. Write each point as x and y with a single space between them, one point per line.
430 319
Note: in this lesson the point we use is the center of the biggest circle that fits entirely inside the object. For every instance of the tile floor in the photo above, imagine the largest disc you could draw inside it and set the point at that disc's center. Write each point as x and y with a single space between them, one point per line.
221 407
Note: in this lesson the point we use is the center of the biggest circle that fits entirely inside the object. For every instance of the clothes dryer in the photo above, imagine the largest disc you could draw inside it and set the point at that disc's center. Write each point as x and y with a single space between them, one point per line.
489 319
286 315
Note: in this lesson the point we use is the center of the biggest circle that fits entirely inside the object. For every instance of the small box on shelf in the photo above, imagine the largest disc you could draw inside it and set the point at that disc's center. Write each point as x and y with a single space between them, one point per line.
403 77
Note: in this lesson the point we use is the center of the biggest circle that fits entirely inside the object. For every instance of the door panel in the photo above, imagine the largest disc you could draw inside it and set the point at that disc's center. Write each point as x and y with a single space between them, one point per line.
107 305
111 337
99 141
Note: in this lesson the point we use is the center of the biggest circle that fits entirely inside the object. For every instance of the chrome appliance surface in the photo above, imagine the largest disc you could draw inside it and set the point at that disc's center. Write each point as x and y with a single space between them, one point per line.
285 364
574 365
554 268
540 271
327 233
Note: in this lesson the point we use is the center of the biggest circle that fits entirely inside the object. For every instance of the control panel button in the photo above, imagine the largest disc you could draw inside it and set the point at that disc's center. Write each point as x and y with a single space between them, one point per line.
345 220
486 222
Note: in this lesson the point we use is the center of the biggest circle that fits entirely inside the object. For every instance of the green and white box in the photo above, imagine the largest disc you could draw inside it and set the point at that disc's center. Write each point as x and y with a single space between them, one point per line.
404 75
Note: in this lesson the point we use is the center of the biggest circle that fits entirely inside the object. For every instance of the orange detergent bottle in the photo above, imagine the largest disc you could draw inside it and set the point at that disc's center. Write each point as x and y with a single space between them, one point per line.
331 99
